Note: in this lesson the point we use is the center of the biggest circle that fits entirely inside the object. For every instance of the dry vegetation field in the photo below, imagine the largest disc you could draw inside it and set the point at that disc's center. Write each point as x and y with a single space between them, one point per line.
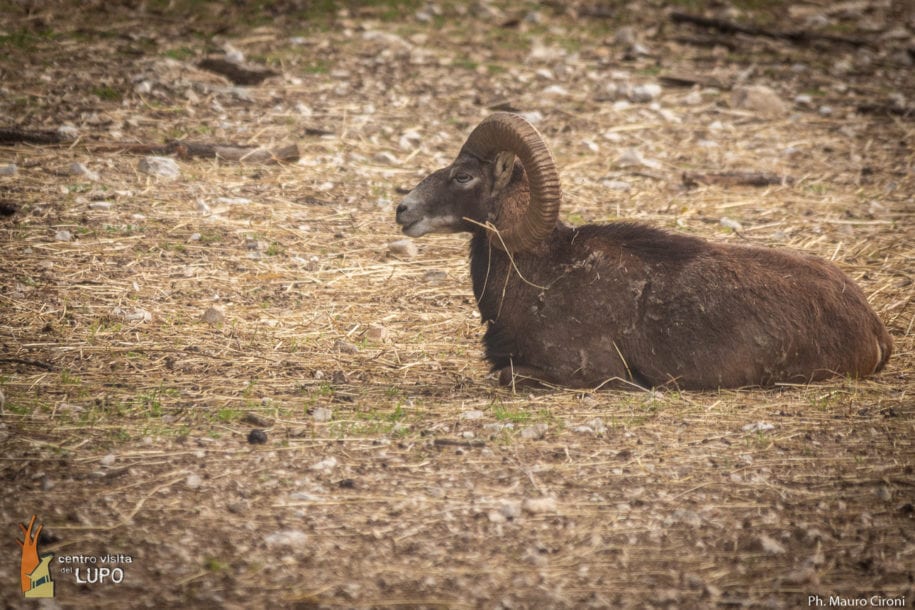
148 325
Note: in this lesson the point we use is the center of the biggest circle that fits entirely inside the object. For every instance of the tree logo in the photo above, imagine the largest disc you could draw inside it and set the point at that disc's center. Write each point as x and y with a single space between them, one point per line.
34 570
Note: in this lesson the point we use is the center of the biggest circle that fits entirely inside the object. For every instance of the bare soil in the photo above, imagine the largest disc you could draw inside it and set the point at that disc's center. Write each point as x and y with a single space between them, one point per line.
149 327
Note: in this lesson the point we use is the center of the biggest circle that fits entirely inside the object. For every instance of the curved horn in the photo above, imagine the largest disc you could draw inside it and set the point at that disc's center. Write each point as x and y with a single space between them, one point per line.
504 131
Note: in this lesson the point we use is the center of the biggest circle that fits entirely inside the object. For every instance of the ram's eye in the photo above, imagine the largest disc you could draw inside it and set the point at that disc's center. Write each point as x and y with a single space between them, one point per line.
462 178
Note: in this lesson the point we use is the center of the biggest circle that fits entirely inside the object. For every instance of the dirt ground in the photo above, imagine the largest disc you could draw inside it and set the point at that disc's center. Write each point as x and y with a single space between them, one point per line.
232 379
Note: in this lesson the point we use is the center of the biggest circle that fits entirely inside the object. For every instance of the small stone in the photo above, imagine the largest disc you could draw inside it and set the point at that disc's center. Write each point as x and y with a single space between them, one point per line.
625 36
510 509
8 170
257 437
162 167
533 117
322 414
546 504
193 481
496 517
386 158
78 169
287 538
195 237
213 316
434 275
556 91
63 235
645 93
537 431
257 245
731 224
326 464
68 132
770 545
597 424
403 247
759 99
345 347
377 332
631 157
232 54
137 314
759 426
108 460
472 415
100 205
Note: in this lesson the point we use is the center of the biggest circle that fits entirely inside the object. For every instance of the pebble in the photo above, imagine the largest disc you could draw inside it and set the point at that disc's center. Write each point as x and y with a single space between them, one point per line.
759 99
213 316
193 481
434 275
377 332
770 545
68 132
322 414
163 167
257 437
386 158
345 347
63 235
759 426
108 460
631 157
597 424
78 169
403 247
8 170
730 223
534 432
287 538
100 205
546 504
510 509
645 93
472 415
326 464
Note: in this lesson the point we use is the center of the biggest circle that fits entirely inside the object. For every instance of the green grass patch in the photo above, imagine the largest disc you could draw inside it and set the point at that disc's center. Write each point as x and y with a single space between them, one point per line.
107 93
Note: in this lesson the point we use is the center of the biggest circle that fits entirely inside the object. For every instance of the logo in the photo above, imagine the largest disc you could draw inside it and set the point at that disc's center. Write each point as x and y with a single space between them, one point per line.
34 569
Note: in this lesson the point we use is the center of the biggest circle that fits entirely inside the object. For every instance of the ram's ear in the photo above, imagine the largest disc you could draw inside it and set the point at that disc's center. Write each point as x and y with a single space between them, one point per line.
503 166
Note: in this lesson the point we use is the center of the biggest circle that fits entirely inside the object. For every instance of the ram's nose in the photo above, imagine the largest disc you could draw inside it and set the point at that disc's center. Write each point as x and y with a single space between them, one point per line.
406 209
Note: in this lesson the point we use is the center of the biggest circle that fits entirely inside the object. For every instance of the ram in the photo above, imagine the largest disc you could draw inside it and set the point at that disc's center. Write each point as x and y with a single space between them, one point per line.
628 305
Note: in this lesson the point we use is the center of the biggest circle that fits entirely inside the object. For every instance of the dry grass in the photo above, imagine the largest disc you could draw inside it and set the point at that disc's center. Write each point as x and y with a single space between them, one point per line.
126 433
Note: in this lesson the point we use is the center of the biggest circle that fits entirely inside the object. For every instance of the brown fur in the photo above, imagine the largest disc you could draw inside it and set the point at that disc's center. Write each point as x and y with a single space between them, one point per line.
629 305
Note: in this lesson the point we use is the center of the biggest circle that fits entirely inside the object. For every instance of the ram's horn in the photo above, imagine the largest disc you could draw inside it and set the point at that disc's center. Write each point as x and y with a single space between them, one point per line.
504 131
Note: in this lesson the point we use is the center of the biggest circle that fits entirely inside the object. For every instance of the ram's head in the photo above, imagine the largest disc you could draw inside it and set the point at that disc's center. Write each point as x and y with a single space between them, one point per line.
485 186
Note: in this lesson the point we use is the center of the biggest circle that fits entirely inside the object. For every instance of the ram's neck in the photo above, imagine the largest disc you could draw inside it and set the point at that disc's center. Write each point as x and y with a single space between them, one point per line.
488 268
